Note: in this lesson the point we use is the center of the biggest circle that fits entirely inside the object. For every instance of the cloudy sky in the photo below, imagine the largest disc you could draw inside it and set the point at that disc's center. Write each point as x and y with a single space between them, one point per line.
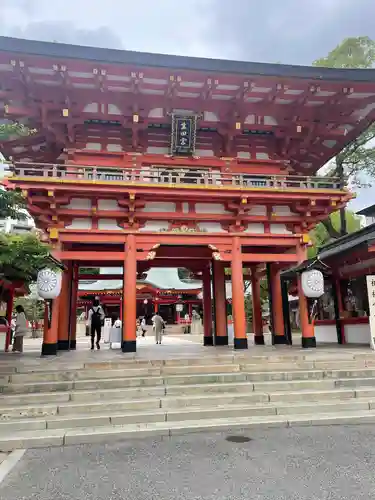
286 31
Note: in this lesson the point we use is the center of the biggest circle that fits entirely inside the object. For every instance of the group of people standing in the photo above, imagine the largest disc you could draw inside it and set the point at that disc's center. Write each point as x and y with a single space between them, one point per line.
95 322
19 328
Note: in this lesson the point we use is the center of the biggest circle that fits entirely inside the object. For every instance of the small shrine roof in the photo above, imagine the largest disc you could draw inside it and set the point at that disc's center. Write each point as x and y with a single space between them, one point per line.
161 278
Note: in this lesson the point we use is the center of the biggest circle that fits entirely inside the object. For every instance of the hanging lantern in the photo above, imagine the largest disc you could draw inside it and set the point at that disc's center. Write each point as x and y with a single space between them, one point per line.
312 283
49 283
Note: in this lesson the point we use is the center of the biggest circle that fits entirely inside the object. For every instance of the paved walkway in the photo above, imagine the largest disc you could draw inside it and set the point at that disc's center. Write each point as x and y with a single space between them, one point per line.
173 347
314 463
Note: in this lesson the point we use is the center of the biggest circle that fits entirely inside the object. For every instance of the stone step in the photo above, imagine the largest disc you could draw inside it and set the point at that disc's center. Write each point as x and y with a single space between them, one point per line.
115 433
258 391
105 418
354 379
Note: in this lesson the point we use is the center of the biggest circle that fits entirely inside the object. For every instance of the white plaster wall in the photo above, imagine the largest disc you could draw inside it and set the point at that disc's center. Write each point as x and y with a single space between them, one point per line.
282 210
108 205
91 108
156 113
204 152
80 223
259 155
258 210
209 116
357 334
325 333
159 207
113 109
114 147
96 146
255 228
155 226
243 154
108 224
79 204
279 229
158 150
210 208
211 227
185 207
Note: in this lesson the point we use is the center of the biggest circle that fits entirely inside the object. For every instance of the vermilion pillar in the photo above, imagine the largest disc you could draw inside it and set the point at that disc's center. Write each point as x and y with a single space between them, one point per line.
51 326
339 310
129 296
221 333
65 308
73 317
308 337
238 297
277 307
257 309
207 308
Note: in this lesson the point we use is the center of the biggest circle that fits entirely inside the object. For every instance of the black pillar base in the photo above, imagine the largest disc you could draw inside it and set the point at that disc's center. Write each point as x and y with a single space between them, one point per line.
221 340
240 343
279 340
63 345
258 339
308 342
73 344
208 341
49 349
129 346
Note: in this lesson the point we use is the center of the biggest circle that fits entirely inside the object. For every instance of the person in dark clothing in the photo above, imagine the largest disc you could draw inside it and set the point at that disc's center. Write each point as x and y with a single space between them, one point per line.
96 319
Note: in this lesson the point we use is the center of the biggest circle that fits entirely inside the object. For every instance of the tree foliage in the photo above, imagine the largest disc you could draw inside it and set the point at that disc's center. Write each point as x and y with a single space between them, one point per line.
34 311
12 204
22 256
357 160
320 236
8 130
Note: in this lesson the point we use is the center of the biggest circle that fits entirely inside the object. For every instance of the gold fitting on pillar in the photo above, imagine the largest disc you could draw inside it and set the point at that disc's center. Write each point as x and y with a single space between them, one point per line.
244 201
50 193
24 192
54 217
305 238
65 112
53 233
132 196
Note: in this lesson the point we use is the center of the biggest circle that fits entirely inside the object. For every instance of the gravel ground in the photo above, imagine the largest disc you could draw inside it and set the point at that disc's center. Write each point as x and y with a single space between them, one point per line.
334 463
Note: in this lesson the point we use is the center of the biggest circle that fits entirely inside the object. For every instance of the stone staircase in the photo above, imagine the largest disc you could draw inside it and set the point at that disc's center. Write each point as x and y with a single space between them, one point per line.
56 405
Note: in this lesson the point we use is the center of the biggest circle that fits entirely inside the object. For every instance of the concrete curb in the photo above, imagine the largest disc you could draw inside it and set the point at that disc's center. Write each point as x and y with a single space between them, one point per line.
10 462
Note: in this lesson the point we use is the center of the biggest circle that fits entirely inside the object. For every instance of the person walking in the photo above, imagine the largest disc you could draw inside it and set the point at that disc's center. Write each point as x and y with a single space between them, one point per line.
158 325
21 329
95 321
143 326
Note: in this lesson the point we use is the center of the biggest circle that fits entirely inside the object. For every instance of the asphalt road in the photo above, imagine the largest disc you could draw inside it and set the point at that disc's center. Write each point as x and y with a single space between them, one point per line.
295 464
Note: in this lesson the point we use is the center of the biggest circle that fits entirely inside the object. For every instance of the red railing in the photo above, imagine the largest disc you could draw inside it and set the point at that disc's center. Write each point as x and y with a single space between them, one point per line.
160 175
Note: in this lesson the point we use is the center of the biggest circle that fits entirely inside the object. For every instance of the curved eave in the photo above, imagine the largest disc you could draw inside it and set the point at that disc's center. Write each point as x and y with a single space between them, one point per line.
114 56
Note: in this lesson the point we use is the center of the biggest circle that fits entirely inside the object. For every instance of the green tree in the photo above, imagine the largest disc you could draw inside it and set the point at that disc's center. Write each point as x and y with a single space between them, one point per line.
8 130
320 236
357 160
34 311
22 256
12 204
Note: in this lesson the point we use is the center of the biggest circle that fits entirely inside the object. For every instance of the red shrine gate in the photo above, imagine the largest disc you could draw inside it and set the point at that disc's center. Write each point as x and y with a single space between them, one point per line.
169 161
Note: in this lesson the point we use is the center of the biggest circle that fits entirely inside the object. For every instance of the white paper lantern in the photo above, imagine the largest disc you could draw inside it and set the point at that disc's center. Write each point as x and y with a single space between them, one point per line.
312 283
49 283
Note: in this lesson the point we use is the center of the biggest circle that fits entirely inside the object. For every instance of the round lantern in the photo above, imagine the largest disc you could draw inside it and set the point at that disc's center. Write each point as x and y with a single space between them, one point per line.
312 284
49 283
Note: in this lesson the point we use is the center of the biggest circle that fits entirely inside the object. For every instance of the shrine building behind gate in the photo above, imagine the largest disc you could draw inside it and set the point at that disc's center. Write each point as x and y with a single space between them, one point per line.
142 161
